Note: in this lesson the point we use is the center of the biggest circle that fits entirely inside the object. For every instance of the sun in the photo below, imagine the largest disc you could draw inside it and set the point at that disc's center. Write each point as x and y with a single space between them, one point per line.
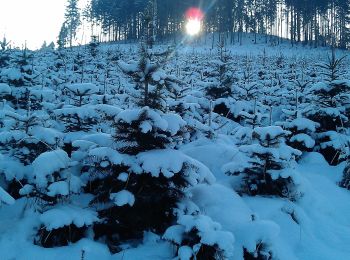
193 27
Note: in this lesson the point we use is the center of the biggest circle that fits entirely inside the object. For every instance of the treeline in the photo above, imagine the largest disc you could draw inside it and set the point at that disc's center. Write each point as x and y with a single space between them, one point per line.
314 22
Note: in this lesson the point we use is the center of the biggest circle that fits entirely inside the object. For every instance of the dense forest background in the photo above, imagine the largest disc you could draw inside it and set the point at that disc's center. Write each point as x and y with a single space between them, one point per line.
313 22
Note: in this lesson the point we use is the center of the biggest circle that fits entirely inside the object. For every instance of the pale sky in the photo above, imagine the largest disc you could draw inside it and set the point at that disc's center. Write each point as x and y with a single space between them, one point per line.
34 21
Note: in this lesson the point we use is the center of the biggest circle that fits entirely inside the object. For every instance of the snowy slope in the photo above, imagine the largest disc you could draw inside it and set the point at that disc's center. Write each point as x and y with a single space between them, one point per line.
55 126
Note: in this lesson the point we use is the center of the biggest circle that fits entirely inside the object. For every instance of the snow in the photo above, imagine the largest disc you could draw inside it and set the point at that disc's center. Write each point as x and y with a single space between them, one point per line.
108 153
170 162
67 215
48 135
5 197
11 73
123 177
210 232
26 190
123 198
270 132
175 123
175 234
305 139
185 253
58 188
48 163
5 89
131 115
334 139
302 124
132 67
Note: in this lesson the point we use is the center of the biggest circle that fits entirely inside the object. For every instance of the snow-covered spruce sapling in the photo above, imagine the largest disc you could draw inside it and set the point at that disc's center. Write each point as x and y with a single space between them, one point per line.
332 69
23 138
247 88
81 91
50 186
252 117
19 136
79 63
24 62
328 108
302 133
146 129
267 170
137 187
220 85
76 122
150 78
197 236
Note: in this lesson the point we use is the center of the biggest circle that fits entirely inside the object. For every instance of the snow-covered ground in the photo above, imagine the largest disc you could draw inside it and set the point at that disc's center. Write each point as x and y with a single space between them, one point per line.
72 98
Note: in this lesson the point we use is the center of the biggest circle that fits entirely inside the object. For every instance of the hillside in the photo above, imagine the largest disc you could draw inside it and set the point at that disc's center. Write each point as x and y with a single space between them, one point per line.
118 151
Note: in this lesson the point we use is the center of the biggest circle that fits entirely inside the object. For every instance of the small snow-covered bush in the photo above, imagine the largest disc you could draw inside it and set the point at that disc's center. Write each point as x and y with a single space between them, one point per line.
302 132
139 193
199 237
145 129
267 171
63 225
50 185
328 109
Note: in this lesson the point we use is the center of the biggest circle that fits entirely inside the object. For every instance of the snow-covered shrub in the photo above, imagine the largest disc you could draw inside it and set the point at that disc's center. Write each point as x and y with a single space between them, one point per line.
81 91
138 181
267 170
218 83
199 237
22 137
302 132
50 185
77 119
146 129
63 225
139 193
150 78
328 109
26 72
